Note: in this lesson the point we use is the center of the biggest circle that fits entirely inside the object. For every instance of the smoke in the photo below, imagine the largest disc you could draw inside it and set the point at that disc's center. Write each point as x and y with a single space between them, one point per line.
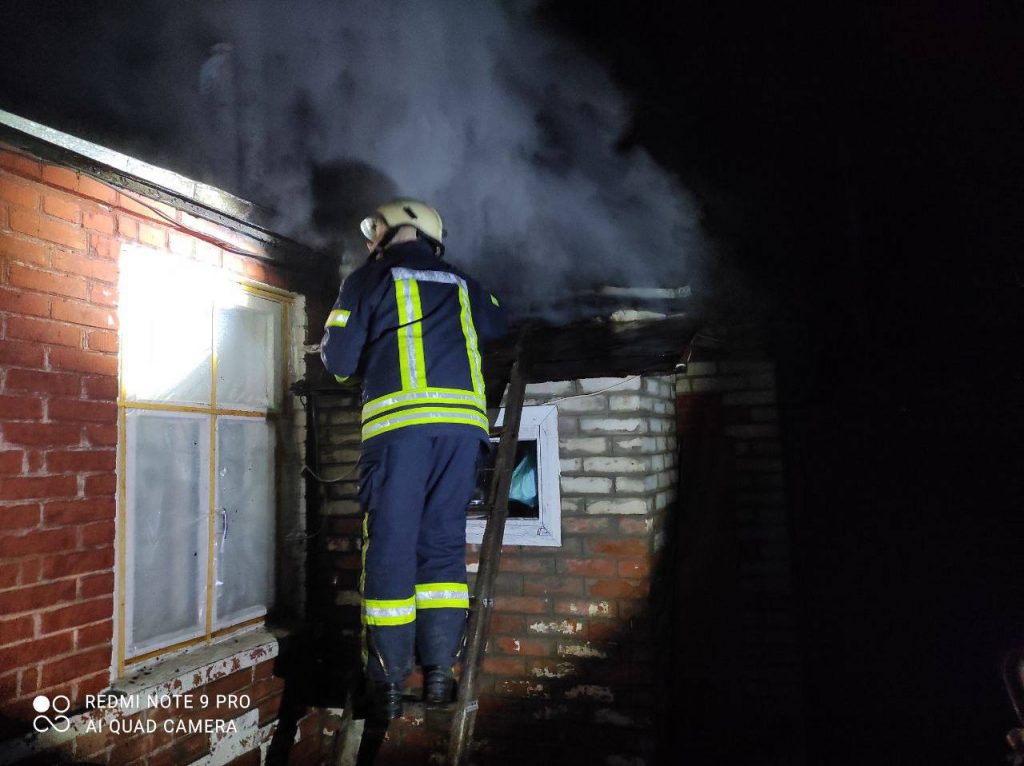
321 109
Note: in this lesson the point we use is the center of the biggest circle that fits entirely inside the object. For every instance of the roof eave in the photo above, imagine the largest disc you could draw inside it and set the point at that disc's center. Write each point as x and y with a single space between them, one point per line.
126 172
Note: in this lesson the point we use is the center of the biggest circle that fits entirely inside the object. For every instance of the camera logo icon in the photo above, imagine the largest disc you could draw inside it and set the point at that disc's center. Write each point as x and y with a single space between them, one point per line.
57 706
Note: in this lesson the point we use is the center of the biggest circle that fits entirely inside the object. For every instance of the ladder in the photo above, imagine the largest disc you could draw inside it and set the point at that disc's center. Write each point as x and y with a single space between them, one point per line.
467 702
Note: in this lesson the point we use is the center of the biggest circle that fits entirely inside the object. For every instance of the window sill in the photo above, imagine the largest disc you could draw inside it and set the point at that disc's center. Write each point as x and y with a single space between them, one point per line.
517 532
182 672
178 674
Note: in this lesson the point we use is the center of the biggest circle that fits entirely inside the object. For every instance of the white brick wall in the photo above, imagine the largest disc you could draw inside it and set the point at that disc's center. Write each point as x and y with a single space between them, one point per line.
625 402
614 425
626 485
621 505
642 444
593 385
587 445
586 485
617 443
617 465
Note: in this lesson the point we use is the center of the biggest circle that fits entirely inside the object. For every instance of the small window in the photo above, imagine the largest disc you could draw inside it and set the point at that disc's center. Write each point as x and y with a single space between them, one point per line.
535 504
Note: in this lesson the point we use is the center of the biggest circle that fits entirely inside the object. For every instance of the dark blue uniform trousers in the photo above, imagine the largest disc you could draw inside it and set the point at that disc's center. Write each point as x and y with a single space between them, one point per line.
414 490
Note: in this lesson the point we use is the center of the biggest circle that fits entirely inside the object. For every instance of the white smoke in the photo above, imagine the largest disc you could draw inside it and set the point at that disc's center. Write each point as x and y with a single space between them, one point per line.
509 130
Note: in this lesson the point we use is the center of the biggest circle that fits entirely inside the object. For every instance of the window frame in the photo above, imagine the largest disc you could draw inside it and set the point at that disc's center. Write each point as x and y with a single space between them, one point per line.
273 413
539 423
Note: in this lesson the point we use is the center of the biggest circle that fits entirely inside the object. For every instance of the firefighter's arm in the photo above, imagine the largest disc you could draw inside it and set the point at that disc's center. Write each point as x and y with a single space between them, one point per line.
345 331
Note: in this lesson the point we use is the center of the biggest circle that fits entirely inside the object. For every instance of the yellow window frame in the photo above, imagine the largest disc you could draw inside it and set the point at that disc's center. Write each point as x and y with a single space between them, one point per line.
124 405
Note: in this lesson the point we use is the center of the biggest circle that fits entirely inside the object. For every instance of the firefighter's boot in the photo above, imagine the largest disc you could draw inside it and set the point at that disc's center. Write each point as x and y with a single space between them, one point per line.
387 701
438 683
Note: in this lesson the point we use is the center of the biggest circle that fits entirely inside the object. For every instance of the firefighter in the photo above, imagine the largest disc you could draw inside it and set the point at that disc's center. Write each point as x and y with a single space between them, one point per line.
412 325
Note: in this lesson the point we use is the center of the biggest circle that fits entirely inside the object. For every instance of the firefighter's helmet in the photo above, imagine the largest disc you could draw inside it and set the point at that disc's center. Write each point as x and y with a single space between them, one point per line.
404 212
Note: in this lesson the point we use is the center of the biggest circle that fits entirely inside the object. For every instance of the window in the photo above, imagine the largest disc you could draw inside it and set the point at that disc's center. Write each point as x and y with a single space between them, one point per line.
535 505
202 381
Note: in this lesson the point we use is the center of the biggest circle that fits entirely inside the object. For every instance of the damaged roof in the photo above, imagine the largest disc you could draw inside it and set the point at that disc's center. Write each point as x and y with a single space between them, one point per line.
593 348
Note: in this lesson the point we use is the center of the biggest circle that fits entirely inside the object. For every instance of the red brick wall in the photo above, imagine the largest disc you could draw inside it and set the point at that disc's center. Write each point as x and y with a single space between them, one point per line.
58 424
161 736
60 236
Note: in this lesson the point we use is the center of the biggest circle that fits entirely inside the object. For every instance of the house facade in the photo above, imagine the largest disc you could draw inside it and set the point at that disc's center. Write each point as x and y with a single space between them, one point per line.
149 490
180 536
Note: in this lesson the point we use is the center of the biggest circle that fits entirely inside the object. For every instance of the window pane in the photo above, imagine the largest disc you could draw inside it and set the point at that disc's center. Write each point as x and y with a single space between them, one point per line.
523 492
523 500
167 525
245 518
248 352
166 311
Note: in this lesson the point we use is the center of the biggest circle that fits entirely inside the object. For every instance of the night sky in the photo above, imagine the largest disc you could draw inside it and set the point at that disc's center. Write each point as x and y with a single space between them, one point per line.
862 169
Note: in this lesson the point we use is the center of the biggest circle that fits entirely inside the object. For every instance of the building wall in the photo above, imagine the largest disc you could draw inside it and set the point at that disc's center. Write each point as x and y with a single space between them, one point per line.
60 237
570 672
733 574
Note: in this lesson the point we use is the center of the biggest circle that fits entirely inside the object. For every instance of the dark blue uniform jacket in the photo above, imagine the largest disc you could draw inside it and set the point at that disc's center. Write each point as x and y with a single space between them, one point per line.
412 325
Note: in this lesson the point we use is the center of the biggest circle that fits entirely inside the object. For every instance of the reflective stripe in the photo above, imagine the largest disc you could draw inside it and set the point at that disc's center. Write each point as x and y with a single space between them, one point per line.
410 334
495 301
469 332
398 619
412 276
404 305
391 611
378 621
338 318
422 416
341 378
419 375
438 595
447 277
441 602
422 396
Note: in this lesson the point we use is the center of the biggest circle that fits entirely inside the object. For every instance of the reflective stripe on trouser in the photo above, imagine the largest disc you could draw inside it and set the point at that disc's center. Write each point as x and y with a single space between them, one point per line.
439 595
415 491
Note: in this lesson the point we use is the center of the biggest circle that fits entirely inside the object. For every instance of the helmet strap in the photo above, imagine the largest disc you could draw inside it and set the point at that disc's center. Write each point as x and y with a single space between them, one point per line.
382 245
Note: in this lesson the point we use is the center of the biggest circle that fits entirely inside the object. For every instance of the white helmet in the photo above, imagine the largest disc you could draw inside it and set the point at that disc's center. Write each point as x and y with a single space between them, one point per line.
391 216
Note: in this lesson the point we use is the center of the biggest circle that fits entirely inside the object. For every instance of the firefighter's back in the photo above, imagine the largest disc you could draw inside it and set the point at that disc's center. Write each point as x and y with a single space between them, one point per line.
423 365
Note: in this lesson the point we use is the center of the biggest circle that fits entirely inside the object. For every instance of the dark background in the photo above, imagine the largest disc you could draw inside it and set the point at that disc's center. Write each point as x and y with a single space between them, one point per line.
865 169
862 167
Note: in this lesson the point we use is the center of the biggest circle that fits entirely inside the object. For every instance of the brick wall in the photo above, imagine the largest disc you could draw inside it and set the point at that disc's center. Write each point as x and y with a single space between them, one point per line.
572 670
569 671
60 237
58 295
338 549
238 726
733 549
